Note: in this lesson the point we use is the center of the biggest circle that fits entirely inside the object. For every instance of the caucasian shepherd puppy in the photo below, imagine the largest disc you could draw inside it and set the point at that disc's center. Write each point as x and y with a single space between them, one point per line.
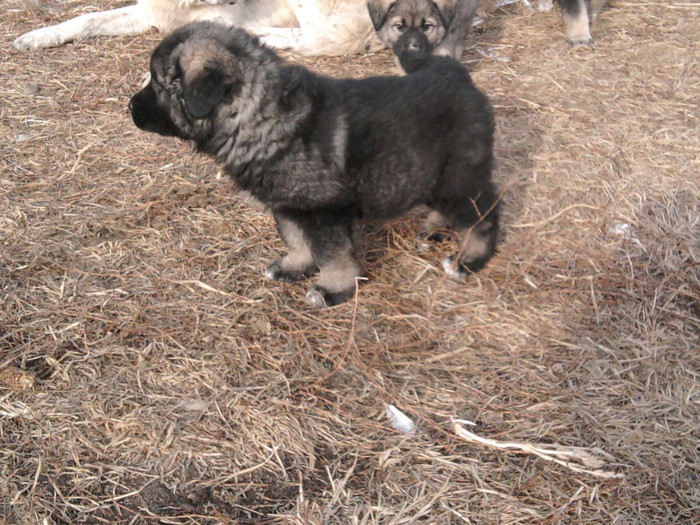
323 153
444 23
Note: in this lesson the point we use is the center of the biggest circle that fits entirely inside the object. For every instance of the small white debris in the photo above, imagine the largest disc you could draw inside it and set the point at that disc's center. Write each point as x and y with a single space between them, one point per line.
530 281
578 459
399 420
625 230
197 405
490 53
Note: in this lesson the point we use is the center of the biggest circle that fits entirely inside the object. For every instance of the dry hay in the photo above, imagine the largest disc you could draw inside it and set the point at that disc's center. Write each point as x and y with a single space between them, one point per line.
151 375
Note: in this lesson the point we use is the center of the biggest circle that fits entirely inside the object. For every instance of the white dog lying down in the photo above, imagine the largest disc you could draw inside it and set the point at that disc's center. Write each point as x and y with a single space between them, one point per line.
307 27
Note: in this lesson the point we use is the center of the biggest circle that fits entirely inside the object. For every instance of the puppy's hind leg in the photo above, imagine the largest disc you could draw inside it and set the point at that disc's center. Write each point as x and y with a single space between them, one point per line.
123 21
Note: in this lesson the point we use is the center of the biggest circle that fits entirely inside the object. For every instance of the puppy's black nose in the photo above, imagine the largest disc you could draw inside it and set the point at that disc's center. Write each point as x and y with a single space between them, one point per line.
413 46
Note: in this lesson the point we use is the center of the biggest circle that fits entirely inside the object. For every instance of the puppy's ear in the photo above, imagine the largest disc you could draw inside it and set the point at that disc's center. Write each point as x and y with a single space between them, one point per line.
203 94
447 9
209 73
378 11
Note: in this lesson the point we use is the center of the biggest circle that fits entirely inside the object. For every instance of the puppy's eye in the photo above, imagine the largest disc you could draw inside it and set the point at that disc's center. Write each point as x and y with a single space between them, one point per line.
400 26
427 26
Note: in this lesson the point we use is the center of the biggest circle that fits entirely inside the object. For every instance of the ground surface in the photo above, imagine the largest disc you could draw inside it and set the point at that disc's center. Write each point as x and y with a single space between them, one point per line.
173 384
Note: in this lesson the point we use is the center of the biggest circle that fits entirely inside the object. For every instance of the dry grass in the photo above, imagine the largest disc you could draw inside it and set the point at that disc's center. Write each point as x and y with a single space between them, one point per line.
151 375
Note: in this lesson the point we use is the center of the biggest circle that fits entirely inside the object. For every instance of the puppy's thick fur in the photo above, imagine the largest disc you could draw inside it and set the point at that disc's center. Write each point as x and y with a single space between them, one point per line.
444 23
308 27
322 154
578 17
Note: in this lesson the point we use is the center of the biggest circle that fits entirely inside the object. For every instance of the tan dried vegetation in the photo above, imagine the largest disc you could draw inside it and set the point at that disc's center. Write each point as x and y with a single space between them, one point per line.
150 374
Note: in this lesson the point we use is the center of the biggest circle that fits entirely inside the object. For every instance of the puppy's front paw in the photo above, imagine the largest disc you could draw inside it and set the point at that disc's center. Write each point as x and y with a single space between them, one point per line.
321 298
459 270
453 269
275 272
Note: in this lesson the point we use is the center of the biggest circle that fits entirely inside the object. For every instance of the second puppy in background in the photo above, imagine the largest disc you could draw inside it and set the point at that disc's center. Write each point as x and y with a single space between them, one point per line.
444 23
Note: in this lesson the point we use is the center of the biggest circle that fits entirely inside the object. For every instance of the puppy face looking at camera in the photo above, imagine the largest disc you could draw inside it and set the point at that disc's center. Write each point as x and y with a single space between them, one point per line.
444 23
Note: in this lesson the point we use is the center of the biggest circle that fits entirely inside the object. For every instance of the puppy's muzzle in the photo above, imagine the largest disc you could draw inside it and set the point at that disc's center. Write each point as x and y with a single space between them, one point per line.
413 40
139 111
149 116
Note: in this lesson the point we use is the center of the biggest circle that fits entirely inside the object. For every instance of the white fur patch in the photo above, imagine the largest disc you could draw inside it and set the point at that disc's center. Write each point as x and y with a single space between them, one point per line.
399 420
315 298
328 27
451 268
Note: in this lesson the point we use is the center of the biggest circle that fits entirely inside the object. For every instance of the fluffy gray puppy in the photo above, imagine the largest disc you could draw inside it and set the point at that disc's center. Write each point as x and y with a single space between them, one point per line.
322 154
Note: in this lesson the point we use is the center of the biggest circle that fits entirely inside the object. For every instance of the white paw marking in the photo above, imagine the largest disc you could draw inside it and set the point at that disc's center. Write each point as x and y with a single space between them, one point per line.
315 298
451 268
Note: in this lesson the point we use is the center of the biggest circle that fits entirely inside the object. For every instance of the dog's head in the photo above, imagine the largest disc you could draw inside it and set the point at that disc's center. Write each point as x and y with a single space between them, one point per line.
194 71
412 20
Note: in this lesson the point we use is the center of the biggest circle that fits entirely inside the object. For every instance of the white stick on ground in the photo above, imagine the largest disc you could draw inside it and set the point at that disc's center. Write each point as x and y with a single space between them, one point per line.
578 459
